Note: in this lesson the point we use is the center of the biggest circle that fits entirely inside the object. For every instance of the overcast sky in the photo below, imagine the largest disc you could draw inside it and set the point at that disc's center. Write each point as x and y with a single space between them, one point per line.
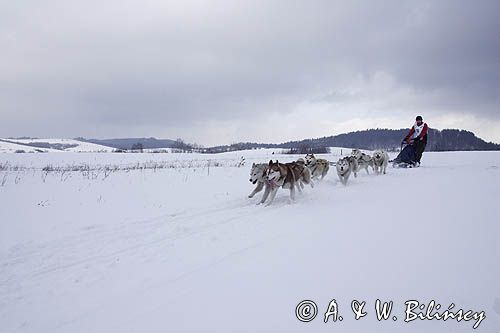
215 72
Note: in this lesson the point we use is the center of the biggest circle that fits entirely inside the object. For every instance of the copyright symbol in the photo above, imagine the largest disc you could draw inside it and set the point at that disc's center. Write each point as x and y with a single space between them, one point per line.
306 311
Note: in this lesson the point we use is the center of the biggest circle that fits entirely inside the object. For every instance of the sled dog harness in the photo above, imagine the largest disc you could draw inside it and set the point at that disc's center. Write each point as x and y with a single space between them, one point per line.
273 184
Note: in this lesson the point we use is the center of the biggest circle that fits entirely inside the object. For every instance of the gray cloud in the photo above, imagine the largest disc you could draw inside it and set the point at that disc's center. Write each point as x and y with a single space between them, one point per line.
218 71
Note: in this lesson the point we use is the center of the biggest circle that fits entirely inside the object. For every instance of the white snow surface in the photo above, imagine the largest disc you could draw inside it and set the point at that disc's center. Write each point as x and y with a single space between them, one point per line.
81 146
11 147
180 247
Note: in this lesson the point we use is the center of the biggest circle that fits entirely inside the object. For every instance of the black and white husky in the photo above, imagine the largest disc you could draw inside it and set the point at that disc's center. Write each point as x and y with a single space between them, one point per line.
345 166
318 166
364 160
302 173
279 175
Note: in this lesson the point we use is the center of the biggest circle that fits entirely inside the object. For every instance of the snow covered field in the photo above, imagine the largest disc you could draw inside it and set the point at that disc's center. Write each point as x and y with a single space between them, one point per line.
119 245
69 145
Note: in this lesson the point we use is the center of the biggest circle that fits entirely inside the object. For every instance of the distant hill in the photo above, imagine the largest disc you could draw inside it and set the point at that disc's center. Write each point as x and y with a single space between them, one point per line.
129 143
444 140
389 139
50 145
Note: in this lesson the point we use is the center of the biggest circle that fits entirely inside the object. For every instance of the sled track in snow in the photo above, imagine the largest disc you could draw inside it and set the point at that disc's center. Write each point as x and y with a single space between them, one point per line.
102 246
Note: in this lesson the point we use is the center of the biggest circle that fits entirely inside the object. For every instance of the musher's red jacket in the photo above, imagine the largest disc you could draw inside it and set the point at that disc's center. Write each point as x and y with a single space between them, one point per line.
422 136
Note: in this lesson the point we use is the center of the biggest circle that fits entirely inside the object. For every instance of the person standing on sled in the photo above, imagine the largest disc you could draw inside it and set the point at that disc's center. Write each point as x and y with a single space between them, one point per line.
418 134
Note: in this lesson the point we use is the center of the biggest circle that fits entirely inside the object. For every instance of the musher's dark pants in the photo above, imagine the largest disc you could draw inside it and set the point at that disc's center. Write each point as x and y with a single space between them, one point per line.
419 148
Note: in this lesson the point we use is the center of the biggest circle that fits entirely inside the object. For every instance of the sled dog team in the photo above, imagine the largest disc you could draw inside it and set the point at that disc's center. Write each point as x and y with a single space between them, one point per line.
274 175
359 160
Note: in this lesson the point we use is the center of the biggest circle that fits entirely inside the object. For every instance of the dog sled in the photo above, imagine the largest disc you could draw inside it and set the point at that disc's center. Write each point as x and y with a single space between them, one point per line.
406 157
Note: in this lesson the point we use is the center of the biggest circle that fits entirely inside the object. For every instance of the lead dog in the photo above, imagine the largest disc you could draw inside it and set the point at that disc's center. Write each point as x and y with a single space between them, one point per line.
258 176
364 160
317 166
279 175
380 161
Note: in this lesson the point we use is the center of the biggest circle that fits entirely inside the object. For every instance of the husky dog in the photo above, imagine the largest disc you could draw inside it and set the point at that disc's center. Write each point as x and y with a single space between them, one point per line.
380 160
302 173
356 153
364 160
344 167
353 162
279 175
317 166
258 176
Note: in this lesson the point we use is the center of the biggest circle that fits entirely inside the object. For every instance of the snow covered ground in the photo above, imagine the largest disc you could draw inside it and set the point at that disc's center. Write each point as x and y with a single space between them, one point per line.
118 245
69 145
12 147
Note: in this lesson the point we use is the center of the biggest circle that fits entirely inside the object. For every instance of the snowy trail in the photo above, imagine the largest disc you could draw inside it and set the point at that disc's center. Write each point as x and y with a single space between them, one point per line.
222 264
